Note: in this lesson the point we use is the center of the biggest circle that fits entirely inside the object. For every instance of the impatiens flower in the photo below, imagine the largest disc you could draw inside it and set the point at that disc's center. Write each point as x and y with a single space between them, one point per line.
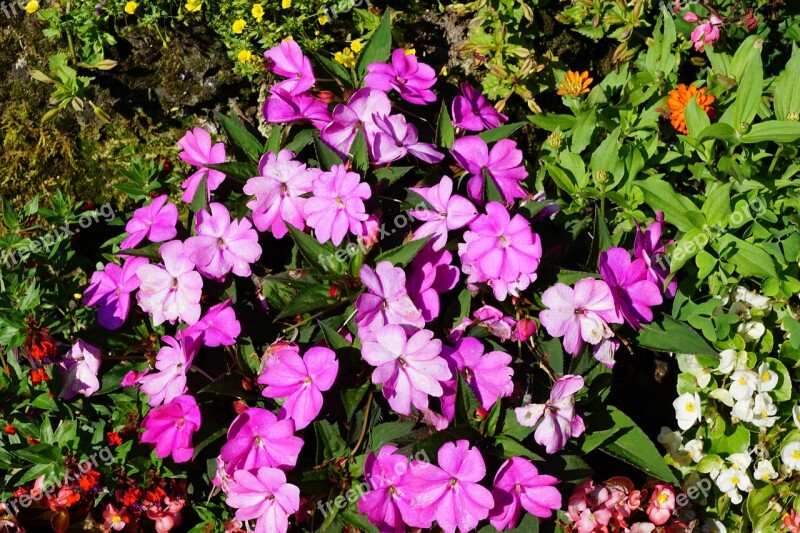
386 300
395 138
633 293
493 319
503 165
111 289
172 362
680 97
170 428
574 84
263 495
387 501
662 503
257 438
451 493
409 368
604 351
649 248
154 222
451 212
198 151
706 33
172 291
518 485
80 367
412 79
301 381
688 410
336 204
560 421
218 327
472 111
790 455
430 274
287 60
488 375
133 378
222 246
284 108
357 115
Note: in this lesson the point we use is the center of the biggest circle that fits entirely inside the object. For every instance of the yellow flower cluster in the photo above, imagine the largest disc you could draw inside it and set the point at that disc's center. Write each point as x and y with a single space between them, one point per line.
244 56
257 12
347 57
238 26
286 4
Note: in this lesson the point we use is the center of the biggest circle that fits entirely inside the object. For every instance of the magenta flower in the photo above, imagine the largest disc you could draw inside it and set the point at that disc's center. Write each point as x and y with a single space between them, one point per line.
518 485
633 293
218 327
222 246
172 362
451 493
278 191
171 291
430 274
284 108
488 375
412 79
386 300
336 204
154 222
263 495
111 289
300 381
198 151
451 212
559 420
358 114
503 164
648 247
395 139
387 501
501 251
80 367
472 111
133 377
287 60
579 315
410 368
170 428
257 439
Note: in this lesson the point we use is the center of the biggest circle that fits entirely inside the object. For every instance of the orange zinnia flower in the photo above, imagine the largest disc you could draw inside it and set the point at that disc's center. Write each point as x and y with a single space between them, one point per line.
575 84
678 100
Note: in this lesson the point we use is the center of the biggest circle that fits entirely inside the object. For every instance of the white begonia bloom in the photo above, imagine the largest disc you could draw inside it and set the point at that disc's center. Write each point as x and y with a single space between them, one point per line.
701 374
730 360
751 331
767 379
740 461
722 395
670 439
751 298
731 481
796 415
741 309
688 410
764 471
790 455
764 410
743 384
695 449
743 410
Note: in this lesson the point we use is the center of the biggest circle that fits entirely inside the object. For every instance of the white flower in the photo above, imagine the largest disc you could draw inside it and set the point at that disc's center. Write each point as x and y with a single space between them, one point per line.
763 410
796 415
751 298
695 449
730 360
670 439
767 379
790 455
688 410
722 395
764 471
740 461
743 410
751 331
700 373
741 309
731 481
743 384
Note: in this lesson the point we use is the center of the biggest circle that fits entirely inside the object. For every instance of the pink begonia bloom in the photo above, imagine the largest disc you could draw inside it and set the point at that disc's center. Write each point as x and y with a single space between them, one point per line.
642 527
172 291
491 318
154 222
257 438
218 327
518 485
472 111
336 205
387 501
115 519
170 428
706 33
134 378
198 151
412 79
222 246
587 509
410 368
111 288
451 212
278 190
662 504
80 367
396 138
167 516
604 351
386 300
450 493
560 421
284 108
287 60
501 251
358 114
300 381
488 375
503 164
430 274
263 495
579 315
648 247
172 362
633 293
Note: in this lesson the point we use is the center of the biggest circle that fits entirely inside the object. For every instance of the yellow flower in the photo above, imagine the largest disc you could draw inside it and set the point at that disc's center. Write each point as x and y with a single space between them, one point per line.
257 12
323 19
345 58
130 7
411 51
194 5
32 7
238 26
356 46
575 84
244 56
443 72
286 4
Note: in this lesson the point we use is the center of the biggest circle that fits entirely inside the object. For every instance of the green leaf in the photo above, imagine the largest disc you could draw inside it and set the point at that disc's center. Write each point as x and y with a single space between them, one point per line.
388 432
351 398
236 169
358 152
787 95
511 447
332 338
403 254
749 48
274 140
678 210
466 403
319 256
445 135
719 130
749 259
773 130
300 141
307 300
503 132
665 334
200 198
379 46
391 174
326 157
717 206
330 443
748 94
585 126
335 69
241 137
696 119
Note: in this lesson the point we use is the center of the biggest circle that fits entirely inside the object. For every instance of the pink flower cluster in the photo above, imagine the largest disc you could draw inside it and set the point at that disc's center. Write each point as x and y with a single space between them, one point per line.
704 33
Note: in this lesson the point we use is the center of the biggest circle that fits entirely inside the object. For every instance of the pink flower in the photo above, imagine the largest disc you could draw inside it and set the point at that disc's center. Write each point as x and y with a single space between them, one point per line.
430 274
503 164
154 222
560 421
133 378
604 351
358 114
488 375
395 139
412 79
172 291
633 293
287 60
662 503
218 327
278 191
115 519
300 381
472 111
387 502
526 328
111 288
450 212
222 246
80 367
198 152
579 315
690 17
451 493
263 495
386 300
167 516
336 204
410 368
518 486
172 362
491 318
648 247
257 438
170 428
284 108
706 33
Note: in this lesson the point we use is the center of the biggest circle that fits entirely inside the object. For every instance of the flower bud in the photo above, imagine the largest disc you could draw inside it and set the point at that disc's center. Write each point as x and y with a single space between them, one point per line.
794 116
326 96
600 177
554 140
525 329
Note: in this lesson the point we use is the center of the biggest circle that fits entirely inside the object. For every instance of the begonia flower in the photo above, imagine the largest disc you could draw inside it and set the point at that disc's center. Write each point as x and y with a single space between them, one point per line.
649 248
282 107
218 327
171 291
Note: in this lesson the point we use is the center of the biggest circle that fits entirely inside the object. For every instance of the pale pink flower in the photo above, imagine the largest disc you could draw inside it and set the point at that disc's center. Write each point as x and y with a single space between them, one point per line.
172 291
560 422
165 516
257 438
662 504
263 495
115 519
198 151
357 115
518 485
386 300
80 367
172 362
336 205
450 212
154 222
706 33
170 428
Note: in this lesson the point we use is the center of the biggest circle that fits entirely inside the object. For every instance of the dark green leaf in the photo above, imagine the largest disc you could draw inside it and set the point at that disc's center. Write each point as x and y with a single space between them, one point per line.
403 254
498 134
239 136
445 135
666 334
326 157
379 46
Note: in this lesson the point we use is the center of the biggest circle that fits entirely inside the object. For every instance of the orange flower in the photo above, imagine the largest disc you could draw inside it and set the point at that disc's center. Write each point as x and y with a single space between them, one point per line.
131 496
39 375
156 495
575 84
11 430
678 100
89 480
114 438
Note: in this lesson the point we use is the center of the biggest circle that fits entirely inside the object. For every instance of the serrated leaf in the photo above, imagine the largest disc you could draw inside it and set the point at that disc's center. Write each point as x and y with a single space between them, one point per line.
445 134
500 133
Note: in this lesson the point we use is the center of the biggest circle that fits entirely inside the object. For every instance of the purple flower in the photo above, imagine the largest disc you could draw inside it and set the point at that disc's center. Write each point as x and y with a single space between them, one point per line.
111 289
257 438
518 485
451 212
170 428
336 204
503 165
172 362
287 60
430 274
80 367
560 421
395 138
387 502
358 114
648 247
284 108
412 79
386 300
154 222
633 293
472 111
171 291
263 495
488 375
197 151
219 326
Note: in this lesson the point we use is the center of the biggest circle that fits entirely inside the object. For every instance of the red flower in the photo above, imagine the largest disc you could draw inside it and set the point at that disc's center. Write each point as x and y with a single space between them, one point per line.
39 375
31 440
113 438
132 496
156 495
11 430
89 480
